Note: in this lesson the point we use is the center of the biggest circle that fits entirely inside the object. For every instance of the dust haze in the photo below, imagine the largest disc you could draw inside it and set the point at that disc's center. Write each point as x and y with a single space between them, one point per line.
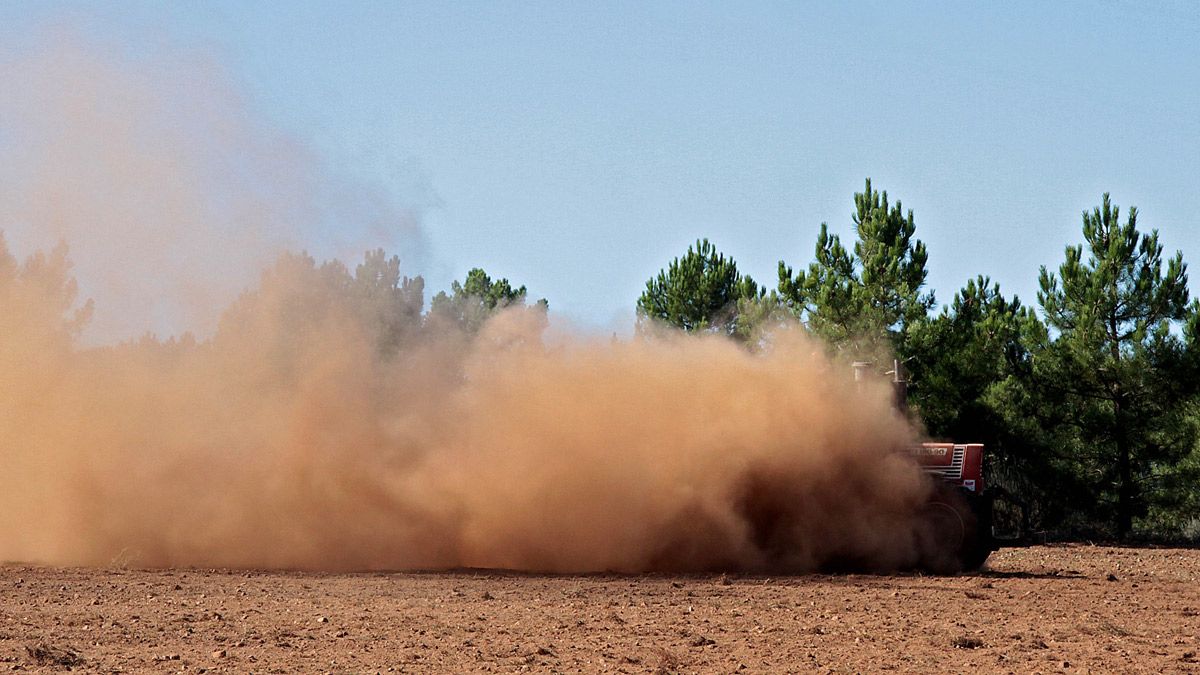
326 421
172 192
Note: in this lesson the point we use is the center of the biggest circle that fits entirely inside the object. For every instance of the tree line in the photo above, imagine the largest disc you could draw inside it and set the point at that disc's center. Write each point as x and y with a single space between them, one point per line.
1088 403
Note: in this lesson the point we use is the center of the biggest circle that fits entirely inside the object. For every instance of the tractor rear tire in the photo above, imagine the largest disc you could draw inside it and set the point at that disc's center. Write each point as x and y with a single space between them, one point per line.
953 532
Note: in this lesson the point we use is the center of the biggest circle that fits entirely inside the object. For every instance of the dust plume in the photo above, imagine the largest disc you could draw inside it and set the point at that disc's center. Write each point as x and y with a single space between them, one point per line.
328 424
325 420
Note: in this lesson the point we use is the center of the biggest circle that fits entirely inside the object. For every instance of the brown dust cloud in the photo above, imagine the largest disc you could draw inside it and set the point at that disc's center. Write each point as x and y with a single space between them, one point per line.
323 422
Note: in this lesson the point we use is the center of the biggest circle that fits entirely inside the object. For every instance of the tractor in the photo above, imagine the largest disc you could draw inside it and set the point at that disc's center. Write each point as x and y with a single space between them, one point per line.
955 529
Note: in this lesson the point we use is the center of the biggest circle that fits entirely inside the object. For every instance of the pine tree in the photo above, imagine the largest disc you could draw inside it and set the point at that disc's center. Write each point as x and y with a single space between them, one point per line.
866 301
1113 355
702 291
470 303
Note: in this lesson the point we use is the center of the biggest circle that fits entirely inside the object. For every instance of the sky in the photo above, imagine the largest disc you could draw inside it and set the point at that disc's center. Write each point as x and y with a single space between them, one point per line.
576 148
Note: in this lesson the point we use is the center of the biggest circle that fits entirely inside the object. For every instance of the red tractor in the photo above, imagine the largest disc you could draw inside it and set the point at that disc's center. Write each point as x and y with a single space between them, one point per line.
955 530
956 523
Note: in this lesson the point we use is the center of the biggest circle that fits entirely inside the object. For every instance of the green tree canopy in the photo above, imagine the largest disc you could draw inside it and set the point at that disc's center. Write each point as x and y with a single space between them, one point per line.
699 292
974 345
1114 358
866 300
970 369
391 304
471 302
298 298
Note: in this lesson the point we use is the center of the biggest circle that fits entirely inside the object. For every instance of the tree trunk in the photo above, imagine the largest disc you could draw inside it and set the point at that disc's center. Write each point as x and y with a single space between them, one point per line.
1124 461
1125 485
1125 470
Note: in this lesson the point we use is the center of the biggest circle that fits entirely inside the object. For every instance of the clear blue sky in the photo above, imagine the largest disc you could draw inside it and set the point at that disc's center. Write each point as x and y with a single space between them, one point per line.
578 147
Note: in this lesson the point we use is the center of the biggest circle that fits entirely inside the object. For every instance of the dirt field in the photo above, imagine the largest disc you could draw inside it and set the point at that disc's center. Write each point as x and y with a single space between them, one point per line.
1048 609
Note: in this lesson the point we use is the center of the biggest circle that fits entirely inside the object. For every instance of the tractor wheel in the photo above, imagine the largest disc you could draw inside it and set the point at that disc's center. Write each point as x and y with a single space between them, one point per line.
948 533
980 544
940 533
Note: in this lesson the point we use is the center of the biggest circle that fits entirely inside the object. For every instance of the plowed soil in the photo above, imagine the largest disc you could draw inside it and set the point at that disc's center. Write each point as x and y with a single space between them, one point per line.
1040 609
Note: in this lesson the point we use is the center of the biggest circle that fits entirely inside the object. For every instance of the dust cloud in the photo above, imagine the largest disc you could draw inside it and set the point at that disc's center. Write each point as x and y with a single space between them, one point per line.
316 430
325 421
